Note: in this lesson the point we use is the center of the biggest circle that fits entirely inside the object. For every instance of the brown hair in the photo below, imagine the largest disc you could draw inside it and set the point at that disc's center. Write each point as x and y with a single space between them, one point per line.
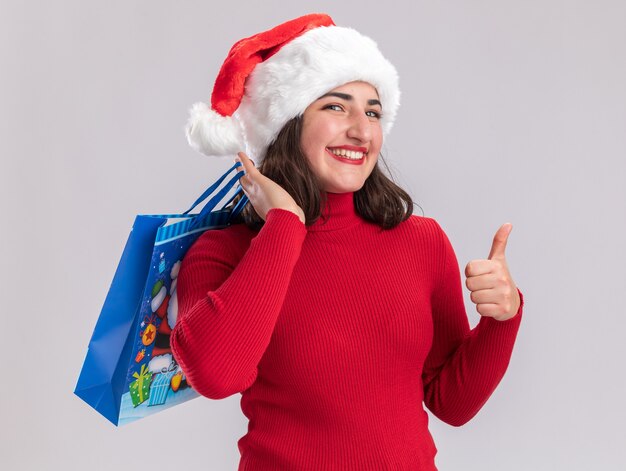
380 200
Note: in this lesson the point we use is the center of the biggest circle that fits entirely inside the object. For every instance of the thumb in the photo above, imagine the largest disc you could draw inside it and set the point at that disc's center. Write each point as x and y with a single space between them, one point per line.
498 245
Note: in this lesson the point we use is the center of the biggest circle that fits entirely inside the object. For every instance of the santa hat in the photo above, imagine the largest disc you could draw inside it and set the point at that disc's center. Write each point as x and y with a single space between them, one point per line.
272 77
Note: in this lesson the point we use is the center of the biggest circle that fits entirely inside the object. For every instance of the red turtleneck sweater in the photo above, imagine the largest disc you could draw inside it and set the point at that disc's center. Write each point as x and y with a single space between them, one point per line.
336 335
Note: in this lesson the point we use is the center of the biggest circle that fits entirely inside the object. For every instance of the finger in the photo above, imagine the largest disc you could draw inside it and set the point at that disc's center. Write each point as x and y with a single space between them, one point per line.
489 309
248 163
478 267
242 158
485 296
249 169
486 281
498 245
241 168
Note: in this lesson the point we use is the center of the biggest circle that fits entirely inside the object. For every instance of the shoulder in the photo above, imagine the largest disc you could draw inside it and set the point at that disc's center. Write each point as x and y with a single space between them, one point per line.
425 228
228 243
425 235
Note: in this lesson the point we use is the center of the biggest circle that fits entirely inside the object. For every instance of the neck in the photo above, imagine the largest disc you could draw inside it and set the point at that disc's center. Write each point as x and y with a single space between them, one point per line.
337 213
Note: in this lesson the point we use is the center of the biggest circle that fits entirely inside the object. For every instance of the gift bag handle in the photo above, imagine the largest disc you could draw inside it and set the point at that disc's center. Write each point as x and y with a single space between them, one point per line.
210 205
240 204
216 185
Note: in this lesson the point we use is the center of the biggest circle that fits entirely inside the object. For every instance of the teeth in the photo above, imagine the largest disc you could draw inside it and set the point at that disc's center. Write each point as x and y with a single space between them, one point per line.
350 154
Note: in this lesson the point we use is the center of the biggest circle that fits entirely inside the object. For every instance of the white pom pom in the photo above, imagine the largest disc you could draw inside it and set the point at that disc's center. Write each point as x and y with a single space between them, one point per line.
212 134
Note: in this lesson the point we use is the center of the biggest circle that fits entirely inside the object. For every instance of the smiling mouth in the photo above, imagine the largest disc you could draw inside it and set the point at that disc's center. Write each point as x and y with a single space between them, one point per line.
346 154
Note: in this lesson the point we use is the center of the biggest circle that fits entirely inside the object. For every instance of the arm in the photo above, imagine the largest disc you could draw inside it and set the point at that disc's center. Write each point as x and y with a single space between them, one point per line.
228 303
464 366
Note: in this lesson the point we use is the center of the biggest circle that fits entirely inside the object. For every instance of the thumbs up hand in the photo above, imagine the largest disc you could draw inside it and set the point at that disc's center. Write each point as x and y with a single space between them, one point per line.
492 289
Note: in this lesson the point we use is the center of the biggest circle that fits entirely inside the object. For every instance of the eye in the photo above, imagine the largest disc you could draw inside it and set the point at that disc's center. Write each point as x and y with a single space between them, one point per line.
374 114
333 107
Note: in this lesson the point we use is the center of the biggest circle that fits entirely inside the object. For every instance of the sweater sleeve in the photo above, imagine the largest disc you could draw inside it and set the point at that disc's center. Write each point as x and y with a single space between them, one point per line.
228 303
464 366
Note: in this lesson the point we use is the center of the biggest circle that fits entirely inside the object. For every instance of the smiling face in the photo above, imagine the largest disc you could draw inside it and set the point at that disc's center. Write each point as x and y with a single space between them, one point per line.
342 136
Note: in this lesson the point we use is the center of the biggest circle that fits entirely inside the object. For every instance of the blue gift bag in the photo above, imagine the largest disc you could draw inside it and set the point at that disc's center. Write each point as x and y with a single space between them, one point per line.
129 371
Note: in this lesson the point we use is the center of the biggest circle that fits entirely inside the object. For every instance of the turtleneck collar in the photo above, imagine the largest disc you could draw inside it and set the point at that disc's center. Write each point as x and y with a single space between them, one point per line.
338 213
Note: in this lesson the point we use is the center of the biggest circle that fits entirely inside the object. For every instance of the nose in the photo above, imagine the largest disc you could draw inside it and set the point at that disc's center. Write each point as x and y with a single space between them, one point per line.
360 127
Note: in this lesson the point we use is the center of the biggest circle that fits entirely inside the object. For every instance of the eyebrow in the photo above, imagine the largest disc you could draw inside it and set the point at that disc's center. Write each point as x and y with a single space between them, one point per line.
345 96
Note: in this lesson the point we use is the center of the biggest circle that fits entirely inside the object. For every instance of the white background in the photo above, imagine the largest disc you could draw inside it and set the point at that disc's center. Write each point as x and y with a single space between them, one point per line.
511 112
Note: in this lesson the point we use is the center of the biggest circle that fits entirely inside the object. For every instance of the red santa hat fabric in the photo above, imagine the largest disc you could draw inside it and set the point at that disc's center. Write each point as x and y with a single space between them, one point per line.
272 77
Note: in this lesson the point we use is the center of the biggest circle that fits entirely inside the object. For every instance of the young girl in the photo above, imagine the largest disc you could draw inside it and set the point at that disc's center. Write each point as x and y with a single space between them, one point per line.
334 311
